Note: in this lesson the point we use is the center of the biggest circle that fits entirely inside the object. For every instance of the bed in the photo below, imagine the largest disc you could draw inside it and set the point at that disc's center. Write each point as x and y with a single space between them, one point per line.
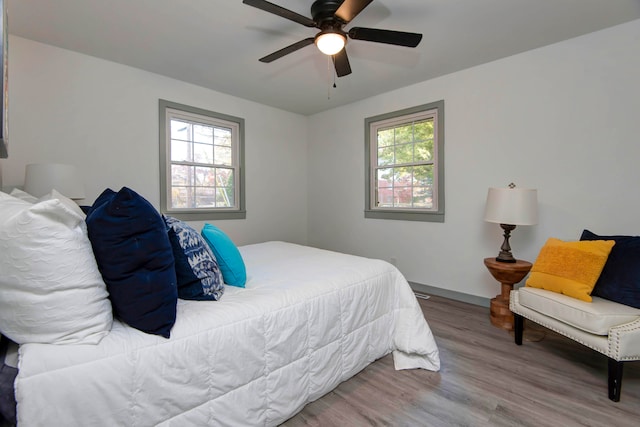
306 320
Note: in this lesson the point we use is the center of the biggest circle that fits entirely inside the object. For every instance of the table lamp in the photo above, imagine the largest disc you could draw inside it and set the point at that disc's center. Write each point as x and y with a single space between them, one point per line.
510 207
41 178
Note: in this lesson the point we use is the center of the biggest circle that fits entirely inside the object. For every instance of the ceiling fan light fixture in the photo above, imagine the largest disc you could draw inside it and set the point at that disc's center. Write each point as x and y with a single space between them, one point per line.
330 42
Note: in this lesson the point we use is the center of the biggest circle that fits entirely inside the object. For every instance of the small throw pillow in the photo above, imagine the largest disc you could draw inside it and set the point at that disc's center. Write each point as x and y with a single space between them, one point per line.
50 288
197 270
234 272
131 245
620 278
569 268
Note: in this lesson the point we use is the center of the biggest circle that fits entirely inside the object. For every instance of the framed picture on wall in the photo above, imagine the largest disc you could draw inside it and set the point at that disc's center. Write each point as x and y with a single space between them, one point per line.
4 88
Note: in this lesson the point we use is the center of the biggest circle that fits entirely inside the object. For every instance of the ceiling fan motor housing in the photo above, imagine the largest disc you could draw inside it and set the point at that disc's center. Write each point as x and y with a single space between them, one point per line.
323 13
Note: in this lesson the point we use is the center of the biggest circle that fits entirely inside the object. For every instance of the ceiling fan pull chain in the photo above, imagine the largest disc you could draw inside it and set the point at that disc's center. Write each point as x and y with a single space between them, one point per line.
329 72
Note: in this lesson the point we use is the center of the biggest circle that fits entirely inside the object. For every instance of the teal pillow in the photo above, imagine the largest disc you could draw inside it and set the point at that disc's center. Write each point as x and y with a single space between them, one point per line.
231 264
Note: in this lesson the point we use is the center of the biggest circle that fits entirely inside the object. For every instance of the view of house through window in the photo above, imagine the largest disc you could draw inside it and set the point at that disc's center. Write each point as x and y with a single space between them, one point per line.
404 162
201 161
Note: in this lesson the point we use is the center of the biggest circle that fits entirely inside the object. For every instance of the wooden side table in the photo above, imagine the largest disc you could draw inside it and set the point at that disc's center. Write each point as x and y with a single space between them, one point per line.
508 274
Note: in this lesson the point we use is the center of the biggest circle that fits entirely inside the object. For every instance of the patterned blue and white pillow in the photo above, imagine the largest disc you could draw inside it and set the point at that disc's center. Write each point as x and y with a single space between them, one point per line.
197 270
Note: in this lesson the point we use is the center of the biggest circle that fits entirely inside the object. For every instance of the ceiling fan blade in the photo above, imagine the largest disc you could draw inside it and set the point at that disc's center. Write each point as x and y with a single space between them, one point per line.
341 62
350 8
280 11
399 38
287 50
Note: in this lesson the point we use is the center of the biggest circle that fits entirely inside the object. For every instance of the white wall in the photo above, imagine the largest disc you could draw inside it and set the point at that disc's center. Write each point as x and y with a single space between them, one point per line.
103 117
562 119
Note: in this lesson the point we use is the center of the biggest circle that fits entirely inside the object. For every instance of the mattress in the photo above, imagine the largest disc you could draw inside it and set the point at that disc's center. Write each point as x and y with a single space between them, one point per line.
307 320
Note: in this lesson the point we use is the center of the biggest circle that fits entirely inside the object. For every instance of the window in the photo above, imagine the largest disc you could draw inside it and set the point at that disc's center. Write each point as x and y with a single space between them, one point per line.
405 168
201 163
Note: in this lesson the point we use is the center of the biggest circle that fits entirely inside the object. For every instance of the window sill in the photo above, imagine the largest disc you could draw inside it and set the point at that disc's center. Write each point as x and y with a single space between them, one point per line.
405 215
204 216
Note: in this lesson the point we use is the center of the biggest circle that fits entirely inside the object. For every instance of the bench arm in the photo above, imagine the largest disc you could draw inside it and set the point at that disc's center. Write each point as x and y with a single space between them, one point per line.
624 341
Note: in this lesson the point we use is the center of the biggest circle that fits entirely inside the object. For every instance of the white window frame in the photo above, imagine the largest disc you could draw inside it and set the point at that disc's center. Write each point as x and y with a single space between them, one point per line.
435 111
171 110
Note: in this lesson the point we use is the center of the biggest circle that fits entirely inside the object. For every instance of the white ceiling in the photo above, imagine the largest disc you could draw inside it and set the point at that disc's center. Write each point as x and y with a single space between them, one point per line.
217 43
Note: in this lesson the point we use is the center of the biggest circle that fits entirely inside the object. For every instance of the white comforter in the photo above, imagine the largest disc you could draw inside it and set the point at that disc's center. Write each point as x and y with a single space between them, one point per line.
307 320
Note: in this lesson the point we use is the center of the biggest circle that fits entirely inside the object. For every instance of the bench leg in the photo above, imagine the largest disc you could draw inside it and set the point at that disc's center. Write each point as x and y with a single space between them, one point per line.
615 379
518 327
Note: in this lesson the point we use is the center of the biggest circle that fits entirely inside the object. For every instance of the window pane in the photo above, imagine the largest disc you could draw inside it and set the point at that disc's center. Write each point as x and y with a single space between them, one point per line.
422 198
203 134
385 156
385 177
424 150
385 137
385 197
222 136
223 155
181 175
404 134
224 197
181 151
402 197
224 177
402 176
203 153
180 130
404 153
423 175
180 197
205 177
205 197
423 130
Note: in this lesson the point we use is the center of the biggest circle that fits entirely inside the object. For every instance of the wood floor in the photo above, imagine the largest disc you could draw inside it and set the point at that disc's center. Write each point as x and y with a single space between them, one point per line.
485 380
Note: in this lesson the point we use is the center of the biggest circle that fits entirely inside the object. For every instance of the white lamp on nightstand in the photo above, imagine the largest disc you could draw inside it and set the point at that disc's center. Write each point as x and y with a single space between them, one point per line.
41 178
510 207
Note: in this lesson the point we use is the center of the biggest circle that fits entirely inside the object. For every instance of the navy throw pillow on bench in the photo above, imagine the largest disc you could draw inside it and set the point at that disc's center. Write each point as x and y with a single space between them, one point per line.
134 255
620 277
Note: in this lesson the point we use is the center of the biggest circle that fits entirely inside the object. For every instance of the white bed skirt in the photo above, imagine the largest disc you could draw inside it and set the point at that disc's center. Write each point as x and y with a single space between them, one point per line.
307 320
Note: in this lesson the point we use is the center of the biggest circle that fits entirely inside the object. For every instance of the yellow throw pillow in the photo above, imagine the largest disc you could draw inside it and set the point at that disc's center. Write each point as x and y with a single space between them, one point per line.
570 268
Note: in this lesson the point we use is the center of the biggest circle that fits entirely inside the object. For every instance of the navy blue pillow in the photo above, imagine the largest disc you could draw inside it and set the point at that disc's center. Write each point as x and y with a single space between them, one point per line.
620 277
134 255
199 276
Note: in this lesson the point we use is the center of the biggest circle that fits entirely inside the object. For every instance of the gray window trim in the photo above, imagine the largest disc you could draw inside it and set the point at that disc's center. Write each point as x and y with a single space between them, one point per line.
399 214
200 214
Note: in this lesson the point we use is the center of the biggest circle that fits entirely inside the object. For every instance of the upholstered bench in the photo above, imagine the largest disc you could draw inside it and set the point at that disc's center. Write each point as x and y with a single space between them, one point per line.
608 327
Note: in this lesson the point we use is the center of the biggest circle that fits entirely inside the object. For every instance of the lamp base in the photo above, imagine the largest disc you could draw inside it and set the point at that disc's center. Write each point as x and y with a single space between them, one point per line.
505 257
505 250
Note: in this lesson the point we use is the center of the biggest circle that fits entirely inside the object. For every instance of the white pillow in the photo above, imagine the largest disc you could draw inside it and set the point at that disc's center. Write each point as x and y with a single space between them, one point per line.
23 195
65 200
51 290
52 195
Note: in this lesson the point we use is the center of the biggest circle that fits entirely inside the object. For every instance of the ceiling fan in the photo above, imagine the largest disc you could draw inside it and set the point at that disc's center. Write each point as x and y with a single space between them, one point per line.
330 16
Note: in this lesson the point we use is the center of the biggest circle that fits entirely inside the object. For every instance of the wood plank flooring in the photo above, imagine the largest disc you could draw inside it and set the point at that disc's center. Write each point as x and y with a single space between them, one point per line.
485 380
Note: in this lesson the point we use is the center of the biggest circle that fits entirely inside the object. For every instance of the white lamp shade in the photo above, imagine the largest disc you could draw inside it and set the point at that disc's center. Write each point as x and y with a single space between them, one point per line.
330 43
40 179
514 206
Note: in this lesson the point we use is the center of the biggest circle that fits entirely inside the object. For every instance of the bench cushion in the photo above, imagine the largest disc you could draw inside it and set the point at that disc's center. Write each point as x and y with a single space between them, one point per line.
595 317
